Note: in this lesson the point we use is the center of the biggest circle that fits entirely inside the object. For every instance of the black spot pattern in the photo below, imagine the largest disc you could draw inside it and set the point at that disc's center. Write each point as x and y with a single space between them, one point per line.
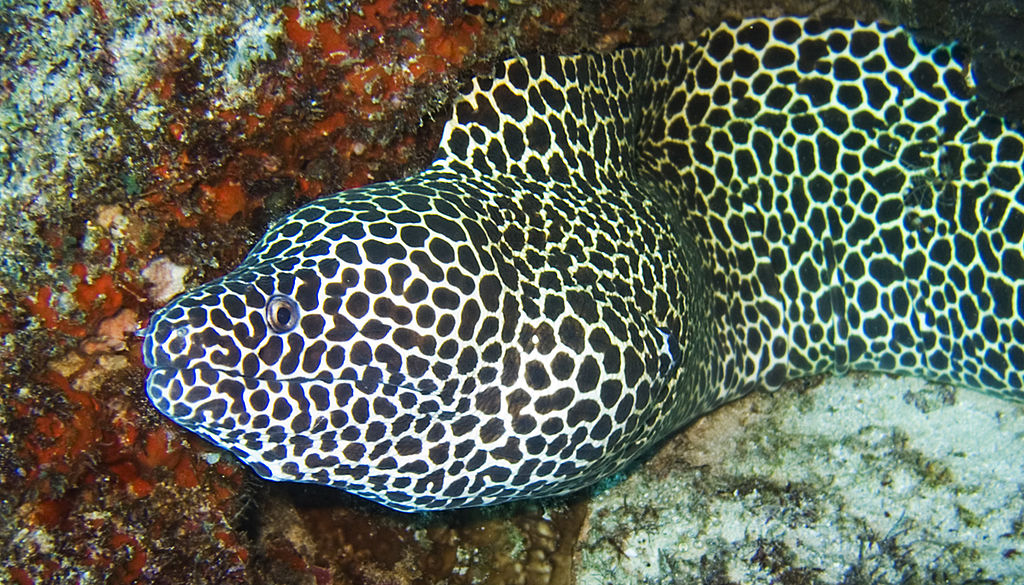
522 317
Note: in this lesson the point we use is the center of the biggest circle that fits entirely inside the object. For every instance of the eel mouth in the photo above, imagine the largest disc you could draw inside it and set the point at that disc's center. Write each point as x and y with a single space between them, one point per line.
213 398
183 394
210 376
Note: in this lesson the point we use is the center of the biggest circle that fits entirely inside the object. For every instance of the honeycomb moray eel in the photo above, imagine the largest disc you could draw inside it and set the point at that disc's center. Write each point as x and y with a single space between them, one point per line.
606 247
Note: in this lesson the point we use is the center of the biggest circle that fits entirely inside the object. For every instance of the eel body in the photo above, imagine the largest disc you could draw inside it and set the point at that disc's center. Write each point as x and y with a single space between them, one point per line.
607 247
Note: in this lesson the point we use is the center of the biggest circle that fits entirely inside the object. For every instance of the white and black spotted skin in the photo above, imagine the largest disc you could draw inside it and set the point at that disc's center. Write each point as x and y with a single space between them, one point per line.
607 247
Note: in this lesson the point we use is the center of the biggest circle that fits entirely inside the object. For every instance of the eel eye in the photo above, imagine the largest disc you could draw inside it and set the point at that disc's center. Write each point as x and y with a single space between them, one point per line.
282 314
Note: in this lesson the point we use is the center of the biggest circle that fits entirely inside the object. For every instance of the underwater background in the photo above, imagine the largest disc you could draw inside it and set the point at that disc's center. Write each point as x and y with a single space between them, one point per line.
144 146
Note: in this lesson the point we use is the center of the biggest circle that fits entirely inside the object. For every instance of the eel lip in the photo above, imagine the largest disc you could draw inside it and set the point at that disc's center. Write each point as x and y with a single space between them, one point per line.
163 376
168 385
149 358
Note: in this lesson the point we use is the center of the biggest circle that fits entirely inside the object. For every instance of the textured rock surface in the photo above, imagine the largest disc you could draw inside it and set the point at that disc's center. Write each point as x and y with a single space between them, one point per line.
993 31
863 479
175 131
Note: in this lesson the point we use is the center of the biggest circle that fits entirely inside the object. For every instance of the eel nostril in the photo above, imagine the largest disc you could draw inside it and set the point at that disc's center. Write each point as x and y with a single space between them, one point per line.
178 340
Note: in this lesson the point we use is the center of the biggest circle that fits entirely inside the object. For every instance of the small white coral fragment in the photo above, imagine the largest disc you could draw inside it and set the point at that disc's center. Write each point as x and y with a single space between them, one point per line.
111 333
164 278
